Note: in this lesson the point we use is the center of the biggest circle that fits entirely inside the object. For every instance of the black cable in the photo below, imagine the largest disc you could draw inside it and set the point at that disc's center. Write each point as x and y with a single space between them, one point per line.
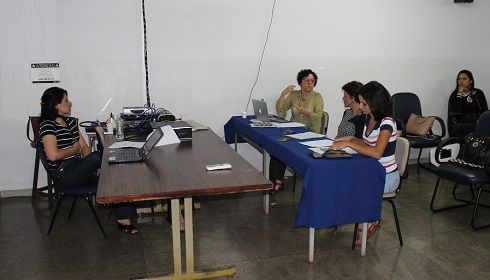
262 56
146 55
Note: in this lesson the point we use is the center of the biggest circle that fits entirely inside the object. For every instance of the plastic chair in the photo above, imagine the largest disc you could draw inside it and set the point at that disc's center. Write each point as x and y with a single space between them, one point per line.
324 128
463 175
85 192
403 105
401 157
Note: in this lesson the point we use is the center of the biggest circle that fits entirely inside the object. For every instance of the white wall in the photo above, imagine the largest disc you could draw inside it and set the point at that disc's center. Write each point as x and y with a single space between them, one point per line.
204 56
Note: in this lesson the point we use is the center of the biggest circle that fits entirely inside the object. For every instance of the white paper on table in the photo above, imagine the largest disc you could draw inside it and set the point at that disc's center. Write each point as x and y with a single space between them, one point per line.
169 136
318 143
126 144
306 135
290 124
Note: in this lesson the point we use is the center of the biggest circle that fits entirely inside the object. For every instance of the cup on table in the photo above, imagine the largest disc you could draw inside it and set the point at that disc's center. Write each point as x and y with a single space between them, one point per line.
244 115
183 117
110 128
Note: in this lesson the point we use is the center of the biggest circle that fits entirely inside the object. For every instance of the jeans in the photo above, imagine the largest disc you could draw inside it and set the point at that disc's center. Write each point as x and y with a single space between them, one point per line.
392 181
78 171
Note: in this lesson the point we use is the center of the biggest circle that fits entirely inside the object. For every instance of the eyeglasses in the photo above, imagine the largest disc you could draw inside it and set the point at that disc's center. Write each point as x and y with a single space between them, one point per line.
309 81
287 131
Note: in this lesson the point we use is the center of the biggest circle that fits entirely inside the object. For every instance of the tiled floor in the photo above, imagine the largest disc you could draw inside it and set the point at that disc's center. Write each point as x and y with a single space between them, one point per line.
233 231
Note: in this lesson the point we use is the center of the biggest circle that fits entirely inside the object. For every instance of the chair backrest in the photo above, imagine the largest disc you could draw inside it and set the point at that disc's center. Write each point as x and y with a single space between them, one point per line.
42 155
404 104
483 124
324 127
402 154
99 133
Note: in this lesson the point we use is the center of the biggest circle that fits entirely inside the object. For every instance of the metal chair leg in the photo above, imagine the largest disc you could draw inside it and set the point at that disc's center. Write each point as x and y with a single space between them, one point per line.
355 237
294 182
96 217
395 214
60 199
442 208
475 210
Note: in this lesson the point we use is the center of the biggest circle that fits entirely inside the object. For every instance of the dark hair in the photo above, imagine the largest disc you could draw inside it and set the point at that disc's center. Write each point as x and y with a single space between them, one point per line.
469 74
51 97
352 89
378 98
305 73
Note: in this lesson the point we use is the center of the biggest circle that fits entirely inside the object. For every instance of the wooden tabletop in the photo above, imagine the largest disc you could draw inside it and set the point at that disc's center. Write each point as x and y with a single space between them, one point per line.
179 170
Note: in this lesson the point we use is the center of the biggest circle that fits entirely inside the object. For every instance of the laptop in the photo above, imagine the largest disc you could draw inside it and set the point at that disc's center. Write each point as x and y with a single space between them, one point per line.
133 154
261 113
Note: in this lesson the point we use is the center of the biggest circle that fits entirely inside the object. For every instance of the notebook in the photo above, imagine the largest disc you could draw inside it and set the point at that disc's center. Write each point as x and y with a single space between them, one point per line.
133 154
261 113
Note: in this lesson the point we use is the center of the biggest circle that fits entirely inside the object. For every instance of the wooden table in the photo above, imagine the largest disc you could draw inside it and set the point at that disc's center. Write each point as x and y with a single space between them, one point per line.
179 171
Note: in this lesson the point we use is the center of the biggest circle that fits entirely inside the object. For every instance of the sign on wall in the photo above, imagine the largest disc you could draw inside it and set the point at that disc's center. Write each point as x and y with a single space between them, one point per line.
45 73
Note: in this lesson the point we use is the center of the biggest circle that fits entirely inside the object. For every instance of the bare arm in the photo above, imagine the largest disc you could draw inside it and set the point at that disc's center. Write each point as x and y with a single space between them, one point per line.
361 147
52 151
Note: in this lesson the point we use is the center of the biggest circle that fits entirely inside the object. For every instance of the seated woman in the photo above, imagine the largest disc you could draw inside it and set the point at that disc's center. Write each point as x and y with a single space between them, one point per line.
379 139
352 123
306 107
466 104
71 160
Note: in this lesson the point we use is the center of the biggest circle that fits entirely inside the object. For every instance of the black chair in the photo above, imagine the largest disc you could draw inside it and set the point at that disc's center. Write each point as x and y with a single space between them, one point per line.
402 154
403 105
324 128
86 191
463 175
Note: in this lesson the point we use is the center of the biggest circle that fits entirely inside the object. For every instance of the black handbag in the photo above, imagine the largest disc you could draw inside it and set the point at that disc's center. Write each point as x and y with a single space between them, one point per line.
475 149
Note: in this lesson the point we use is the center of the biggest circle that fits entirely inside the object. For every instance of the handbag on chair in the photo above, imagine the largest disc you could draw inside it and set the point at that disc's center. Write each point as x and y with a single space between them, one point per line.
418 125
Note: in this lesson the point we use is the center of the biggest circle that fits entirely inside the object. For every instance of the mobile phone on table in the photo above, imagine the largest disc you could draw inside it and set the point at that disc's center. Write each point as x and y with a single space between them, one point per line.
315 155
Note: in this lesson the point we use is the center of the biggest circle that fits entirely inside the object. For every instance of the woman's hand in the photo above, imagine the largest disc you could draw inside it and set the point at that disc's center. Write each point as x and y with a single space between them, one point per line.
287 90
77 148
301 110
343 139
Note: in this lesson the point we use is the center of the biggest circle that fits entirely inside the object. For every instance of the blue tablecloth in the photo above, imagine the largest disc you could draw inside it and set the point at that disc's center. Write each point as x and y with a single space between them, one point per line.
335 191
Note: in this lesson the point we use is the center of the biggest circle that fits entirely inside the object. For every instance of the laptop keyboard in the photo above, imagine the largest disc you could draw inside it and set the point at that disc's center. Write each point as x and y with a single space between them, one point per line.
129 154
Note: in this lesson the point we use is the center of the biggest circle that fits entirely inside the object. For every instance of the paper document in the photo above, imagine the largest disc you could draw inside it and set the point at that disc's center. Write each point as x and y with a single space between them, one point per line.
318 143
306 135
169 136
290 124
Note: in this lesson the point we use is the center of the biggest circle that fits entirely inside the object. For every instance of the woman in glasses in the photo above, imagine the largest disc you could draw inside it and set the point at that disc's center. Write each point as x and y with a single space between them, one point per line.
306 107
466 104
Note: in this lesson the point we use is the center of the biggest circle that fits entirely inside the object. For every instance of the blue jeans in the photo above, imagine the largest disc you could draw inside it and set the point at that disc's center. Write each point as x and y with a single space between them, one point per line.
78 171
392 181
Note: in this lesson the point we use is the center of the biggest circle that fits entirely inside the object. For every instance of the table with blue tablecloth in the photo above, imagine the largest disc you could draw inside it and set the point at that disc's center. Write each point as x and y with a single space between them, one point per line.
335 191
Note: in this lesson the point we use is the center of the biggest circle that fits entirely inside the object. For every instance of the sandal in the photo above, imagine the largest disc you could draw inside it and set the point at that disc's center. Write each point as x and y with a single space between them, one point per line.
276 187
373 228
129 229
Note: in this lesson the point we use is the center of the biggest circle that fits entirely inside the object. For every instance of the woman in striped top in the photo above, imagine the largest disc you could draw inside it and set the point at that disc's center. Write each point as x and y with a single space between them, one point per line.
70 159
379 137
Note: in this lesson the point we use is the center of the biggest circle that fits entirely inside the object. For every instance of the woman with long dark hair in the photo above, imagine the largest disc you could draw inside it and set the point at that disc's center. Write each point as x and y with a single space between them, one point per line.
70 159
466 104
379 138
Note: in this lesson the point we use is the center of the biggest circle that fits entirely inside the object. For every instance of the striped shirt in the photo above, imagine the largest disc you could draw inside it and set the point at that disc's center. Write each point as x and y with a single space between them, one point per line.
66 137
388 157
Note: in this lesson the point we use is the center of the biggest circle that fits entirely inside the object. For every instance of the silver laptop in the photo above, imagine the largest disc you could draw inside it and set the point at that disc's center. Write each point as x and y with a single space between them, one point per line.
133 154
261 113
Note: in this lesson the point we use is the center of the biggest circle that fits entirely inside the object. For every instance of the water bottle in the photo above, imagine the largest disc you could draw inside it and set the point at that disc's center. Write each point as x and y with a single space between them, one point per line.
120 129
